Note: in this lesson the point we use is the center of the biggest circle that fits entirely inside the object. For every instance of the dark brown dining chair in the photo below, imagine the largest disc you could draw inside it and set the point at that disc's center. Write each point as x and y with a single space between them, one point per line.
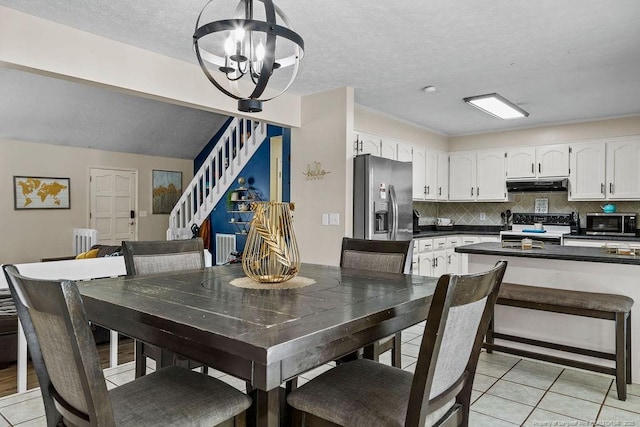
72 383
366 393
378 255
149 257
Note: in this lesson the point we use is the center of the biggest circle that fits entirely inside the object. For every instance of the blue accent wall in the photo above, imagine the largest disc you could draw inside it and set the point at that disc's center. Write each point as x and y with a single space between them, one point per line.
256 174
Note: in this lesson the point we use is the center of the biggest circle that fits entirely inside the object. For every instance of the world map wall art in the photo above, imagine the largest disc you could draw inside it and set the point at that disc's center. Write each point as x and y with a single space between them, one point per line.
32 192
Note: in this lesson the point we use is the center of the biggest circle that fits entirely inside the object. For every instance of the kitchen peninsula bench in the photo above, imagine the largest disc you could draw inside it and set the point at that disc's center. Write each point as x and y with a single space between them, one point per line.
563 299
578 303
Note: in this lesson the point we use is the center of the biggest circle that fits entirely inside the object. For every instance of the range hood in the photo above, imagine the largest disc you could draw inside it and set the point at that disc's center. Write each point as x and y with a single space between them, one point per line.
537 185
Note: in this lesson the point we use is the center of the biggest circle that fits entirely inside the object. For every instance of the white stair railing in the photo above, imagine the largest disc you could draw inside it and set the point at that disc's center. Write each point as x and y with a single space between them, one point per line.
219 171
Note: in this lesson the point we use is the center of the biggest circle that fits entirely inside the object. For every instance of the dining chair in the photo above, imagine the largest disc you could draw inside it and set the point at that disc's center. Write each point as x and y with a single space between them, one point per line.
366 393
72 383
377 255
162 256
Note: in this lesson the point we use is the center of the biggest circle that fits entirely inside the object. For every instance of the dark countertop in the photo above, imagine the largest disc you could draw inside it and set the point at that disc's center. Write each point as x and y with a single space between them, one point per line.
569 253
607 238
431 231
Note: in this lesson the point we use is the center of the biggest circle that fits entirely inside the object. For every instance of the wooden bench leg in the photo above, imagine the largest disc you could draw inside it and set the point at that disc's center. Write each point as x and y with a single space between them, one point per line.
621 355
489 336
629 348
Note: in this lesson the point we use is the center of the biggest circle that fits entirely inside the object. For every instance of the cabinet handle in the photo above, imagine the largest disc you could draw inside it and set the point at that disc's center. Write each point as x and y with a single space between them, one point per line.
427 189
539 167
602 187
472 191
477 191
439 191
532 168
611 188
360 146
449 259
434 263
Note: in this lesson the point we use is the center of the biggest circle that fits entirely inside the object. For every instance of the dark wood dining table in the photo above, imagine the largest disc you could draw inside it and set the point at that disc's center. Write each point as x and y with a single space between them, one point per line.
262 336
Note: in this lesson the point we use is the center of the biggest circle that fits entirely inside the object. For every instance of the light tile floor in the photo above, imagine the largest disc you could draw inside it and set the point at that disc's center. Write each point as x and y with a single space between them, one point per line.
507 391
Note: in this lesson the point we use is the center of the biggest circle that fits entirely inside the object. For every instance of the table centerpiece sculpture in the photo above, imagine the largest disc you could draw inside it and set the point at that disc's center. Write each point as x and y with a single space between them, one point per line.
271 253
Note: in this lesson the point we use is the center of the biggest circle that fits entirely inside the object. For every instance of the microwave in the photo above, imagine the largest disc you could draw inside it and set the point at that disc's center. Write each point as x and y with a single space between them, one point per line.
611 224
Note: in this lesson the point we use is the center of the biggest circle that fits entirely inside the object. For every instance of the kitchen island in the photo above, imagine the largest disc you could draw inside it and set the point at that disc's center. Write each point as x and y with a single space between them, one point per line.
563 267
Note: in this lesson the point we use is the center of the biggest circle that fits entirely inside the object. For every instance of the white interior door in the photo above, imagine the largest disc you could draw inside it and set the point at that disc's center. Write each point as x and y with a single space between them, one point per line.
113 205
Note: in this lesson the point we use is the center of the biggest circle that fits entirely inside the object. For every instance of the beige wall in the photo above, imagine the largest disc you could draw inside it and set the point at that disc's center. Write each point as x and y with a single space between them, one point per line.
549 134
327 126
59 51
28 236
369 121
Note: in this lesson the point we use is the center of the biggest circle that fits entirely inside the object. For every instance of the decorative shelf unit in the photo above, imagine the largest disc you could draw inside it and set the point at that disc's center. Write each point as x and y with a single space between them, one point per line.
240 210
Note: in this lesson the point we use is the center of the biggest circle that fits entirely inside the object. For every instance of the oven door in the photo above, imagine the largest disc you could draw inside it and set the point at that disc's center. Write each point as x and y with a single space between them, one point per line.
551 239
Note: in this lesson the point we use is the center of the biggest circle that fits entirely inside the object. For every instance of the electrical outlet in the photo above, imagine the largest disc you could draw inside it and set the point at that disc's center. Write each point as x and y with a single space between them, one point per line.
325 219
334 219
483 216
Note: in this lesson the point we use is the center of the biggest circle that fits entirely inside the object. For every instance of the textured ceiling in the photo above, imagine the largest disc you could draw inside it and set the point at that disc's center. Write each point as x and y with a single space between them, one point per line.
562 61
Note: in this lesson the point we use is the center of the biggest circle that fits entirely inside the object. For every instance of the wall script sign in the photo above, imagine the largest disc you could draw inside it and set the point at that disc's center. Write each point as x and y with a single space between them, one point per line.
314 171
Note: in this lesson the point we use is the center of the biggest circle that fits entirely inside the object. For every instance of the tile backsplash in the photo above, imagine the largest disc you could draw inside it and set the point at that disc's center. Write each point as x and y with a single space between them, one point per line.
468 213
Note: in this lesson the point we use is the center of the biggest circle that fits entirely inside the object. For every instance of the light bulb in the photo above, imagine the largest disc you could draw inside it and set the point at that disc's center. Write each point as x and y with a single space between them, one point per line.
238 33
260 51
229 46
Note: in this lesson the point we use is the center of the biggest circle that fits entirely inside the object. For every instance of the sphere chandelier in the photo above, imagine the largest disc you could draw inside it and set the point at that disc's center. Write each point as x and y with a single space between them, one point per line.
241 54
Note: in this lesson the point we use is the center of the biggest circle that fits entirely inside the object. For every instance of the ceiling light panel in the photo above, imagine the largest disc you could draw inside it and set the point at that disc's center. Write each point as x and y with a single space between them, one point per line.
497 106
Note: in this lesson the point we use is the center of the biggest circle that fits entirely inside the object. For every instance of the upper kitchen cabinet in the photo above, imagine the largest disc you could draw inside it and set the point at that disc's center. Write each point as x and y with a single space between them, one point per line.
443 176
405 152
477 176
389 149
367 144
587 172
545 161
425 174
605 170
623 173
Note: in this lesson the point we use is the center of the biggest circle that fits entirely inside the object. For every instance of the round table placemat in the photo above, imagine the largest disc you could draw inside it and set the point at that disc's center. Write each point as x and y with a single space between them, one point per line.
296 282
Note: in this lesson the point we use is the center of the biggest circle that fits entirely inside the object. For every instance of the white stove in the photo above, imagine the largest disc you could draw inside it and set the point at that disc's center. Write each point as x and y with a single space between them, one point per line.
554 227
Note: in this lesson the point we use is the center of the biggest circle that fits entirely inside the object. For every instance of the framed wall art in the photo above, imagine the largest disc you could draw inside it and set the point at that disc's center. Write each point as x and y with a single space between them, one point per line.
167 189
34 192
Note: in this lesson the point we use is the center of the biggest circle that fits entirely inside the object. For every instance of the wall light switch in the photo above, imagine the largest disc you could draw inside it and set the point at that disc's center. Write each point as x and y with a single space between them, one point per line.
334 219
483 216
325 219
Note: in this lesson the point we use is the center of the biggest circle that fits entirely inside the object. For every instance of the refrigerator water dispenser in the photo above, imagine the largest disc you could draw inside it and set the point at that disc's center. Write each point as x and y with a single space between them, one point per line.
381 211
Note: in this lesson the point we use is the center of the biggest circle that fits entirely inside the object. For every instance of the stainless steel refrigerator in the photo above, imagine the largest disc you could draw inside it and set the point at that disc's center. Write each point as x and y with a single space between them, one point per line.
382 198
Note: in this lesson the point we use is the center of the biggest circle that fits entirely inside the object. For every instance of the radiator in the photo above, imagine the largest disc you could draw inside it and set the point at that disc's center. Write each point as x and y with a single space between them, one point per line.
225 244
83 239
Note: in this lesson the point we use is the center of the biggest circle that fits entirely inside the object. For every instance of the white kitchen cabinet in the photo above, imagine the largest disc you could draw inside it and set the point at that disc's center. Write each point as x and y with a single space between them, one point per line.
490 176
425 168
521 162
489 239
605 170
469 240
453 258
439 263
389 149
425 262
544 161
477 176
553 160
367 144
443 176
405 152
462 176
623 171
587 178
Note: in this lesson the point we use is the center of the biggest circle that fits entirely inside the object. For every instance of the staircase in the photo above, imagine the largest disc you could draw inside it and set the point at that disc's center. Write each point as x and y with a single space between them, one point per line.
219 171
